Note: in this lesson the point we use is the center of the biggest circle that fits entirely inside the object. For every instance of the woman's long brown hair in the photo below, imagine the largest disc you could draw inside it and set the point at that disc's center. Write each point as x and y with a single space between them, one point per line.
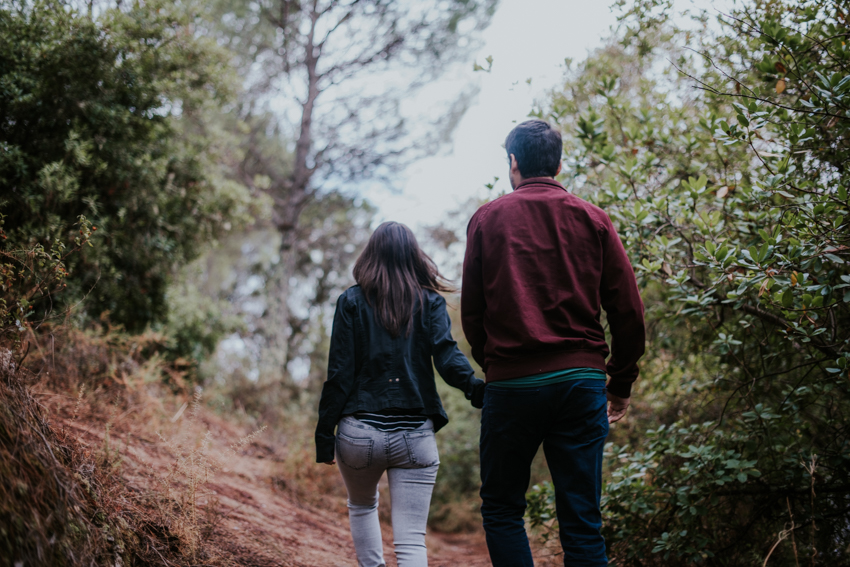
392 272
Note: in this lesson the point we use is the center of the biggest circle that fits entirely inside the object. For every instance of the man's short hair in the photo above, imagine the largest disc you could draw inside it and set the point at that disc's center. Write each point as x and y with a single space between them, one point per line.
537 148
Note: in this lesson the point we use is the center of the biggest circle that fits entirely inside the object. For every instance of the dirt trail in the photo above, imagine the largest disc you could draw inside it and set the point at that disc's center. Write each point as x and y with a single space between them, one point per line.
257 519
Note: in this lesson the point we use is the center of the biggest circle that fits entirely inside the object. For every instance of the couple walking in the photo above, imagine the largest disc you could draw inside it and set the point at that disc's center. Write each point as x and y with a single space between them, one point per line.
539 265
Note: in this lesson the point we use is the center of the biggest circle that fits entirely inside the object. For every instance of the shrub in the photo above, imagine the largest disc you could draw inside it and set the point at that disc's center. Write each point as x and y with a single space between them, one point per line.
102 117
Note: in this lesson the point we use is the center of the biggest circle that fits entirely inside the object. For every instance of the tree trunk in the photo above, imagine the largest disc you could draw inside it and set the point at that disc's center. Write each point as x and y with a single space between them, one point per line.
289 202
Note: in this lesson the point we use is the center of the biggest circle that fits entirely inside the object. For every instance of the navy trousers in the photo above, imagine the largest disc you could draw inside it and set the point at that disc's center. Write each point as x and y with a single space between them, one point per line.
570 420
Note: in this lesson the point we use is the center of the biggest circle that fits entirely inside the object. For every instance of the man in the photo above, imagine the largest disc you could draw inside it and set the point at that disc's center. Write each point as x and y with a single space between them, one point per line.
539 265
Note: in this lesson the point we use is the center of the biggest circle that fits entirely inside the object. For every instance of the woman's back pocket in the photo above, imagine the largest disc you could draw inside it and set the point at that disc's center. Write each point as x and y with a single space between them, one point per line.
422 447
354 453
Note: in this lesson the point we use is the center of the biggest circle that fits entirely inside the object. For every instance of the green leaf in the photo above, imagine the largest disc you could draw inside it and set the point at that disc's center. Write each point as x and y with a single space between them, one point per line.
754 254
788 298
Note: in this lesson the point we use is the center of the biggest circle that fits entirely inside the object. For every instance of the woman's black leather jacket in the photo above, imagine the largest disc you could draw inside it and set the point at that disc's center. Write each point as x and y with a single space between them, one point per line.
369 370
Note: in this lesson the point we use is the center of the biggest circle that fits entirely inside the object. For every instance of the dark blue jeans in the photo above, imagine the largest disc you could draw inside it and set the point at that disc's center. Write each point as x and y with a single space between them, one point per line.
570 419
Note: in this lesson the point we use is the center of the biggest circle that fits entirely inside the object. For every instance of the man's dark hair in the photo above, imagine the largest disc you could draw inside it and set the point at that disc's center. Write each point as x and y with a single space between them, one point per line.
537 148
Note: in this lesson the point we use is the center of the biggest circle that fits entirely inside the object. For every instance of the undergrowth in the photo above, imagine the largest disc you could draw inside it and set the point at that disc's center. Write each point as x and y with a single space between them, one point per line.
58 504
67 496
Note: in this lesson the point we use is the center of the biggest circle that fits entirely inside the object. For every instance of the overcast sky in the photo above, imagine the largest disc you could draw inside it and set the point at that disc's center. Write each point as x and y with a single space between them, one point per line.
528 39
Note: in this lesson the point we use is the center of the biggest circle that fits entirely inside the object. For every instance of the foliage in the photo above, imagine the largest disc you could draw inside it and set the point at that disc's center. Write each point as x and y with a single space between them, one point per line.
732 201
345 65
33 276
455 503
540 511
187 479
103 118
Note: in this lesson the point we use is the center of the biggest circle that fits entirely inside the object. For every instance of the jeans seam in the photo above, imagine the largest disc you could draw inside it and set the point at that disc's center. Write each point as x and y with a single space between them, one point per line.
410 456
387 445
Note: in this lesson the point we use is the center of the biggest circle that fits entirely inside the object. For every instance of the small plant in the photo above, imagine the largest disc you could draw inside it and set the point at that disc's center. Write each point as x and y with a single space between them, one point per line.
31 276
541 510
183 488
79 402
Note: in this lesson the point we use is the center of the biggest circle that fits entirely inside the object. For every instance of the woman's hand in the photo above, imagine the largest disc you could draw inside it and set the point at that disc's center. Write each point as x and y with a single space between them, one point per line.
477 398
330 462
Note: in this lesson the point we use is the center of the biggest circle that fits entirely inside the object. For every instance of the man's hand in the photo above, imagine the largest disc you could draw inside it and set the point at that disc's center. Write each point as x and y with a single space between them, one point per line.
334 461
616 407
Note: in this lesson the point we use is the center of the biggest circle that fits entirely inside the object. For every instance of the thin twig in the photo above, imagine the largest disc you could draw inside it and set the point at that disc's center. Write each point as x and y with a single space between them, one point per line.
793 539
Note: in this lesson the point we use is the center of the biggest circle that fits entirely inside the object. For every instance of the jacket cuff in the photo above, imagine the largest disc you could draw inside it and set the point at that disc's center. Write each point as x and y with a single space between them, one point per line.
620 389
325 451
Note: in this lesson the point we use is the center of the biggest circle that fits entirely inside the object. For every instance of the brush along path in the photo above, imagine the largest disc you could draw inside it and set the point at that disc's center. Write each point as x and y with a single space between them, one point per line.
250 511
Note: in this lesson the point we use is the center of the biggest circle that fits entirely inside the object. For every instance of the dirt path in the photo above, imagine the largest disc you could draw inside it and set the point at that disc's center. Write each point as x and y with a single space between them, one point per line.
254 517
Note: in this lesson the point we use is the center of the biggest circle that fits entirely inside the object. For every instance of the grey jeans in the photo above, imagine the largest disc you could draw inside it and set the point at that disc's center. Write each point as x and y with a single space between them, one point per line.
410 458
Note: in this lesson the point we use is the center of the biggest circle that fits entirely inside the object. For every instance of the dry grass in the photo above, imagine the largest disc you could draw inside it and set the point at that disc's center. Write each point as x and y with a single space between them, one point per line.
185 485
290 413
108 456
57 502
63 497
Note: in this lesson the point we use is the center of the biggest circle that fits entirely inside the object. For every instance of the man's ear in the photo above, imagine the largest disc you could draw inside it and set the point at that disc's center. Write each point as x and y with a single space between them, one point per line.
514 165
559 169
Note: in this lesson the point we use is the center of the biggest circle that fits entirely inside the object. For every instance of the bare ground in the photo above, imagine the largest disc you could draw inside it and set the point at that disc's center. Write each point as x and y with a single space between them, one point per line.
252 513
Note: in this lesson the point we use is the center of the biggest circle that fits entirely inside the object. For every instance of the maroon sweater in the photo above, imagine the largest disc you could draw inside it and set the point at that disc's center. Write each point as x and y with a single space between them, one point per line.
539 264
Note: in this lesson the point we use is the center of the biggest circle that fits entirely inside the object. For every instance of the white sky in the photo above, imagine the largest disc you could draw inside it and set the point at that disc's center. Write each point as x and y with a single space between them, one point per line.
527 39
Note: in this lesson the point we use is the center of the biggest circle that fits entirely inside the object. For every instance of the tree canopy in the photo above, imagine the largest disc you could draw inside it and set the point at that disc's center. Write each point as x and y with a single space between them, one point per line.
101 117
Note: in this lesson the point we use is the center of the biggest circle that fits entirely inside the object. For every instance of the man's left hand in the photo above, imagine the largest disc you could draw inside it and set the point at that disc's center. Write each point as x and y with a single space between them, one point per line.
616 407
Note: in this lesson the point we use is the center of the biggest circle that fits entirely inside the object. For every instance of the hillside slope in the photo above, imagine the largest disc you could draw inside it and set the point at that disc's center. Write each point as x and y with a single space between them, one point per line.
108 459
255 519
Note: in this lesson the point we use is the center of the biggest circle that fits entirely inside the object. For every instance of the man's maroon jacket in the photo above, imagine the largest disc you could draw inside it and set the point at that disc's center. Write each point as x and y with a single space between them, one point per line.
539 264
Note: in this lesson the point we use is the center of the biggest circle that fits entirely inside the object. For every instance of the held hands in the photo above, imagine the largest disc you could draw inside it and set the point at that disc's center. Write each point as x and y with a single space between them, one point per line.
477 397
616 407
330 462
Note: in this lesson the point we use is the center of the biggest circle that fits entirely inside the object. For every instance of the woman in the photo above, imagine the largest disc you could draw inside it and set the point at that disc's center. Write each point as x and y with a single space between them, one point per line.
381 391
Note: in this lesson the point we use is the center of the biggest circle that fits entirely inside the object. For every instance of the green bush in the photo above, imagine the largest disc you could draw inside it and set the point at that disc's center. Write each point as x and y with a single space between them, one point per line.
104 118
33 277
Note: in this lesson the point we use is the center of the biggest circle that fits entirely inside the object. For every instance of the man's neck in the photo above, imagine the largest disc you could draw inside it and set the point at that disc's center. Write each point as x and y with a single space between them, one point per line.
523 180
